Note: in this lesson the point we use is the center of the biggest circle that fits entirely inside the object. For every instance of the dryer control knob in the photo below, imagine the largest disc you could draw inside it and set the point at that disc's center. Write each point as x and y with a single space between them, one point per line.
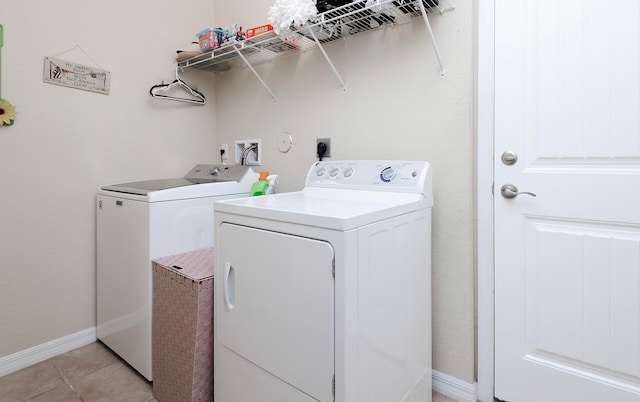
389 173
348 172
333 172
321 171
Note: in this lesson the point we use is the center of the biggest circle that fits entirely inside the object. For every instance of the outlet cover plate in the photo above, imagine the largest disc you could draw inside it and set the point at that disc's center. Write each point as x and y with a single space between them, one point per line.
327 142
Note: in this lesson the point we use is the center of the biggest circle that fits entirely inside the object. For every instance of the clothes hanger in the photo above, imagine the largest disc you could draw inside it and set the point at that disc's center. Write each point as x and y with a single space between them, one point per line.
156 91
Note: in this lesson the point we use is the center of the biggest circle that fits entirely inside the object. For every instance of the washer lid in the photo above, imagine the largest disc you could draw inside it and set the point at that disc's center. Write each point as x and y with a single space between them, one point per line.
145 187
207 179
325 207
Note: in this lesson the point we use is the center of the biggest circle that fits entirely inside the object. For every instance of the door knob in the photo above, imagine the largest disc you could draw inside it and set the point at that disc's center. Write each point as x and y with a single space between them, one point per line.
511 191
509 158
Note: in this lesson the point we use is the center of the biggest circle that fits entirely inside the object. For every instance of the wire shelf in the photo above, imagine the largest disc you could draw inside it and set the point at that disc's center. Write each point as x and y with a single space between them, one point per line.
358 17
339 22
256 50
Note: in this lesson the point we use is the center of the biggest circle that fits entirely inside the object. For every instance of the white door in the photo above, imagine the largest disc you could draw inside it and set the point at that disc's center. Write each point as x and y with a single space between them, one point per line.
567 291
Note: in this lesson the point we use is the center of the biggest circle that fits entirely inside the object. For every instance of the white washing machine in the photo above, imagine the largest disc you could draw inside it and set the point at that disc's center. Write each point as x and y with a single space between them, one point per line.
325 294
140 221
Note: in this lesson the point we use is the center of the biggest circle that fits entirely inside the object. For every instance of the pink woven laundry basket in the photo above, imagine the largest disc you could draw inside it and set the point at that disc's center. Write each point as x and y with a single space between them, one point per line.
182 327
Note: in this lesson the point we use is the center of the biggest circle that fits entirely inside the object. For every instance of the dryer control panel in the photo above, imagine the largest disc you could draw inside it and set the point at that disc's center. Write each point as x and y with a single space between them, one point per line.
389 175
216 173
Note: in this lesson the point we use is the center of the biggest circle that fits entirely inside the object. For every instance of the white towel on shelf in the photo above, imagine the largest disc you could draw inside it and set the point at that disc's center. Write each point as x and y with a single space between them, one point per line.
285 12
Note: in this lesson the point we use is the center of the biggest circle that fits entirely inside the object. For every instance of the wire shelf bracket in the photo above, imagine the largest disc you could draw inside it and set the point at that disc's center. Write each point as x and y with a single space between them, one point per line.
255 73
326 57
433 39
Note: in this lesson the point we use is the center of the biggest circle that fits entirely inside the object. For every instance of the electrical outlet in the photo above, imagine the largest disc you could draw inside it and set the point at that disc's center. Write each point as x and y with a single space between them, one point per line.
327 142
224 149
249 152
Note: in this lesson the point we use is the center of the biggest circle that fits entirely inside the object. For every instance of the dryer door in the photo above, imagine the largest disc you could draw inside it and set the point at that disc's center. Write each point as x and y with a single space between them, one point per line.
275 309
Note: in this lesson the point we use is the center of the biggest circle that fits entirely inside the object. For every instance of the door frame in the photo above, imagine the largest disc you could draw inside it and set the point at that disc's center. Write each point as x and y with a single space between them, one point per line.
485 107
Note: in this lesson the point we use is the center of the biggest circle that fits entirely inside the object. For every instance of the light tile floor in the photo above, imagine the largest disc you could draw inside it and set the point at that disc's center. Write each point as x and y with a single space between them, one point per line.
89 374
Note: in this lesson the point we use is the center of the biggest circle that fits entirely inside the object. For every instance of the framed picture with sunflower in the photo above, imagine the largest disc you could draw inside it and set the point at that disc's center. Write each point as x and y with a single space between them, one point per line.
7 113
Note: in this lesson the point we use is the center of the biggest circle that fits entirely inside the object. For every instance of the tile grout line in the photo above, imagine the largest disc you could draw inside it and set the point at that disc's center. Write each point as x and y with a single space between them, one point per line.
66 380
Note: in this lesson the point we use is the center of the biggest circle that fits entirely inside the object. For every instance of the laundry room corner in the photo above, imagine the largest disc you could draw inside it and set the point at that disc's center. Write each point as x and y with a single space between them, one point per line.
391 99
66 142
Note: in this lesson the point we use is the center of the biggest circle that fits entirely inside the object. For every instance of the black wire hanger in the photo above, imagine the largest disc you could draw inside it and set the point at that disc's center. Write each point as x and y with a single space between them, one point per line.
157 91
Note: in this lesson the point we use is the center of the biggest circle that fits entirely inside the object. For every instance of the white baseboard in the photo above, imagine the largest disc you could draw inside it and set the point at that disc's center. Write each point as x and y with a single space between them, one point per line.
44 351
453 388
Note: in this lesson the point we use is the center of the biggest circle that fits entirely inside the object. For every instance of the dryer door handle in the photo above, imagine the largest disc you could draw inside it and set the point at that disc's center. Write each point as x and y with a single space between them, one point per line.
229 286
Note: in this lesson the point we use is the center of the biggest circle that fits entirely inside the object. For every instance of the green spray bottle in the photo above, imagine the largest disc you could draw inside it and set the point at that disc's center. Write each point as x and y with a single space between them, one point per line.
260 187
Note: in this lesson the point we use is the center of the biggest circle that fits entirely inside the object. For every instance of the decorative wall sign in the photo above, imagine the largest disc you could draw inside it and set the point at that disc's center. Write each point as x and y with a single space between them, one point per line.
74 75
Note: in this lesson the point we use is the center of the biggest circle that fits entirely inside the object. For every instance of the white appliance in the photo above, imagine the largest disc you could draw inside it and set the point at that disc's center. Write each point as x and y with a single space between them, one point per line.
324 294
140 221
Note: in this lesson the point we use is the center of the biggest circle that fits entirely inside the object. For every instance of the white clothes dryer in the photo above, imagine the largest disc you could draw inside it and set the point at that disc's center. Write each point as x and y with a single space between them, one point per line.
138 222
325 294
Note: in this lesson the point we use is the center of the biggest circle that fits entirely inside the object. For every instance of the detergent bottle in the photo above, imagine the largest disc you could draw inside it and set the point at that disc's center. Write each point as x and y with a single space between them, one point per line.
260 187
271 188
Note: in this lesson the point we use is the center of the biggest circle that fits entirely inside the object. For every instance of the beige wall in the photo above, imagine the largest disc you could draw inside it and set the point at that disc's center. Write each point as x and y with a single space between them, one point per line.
67 142
395 107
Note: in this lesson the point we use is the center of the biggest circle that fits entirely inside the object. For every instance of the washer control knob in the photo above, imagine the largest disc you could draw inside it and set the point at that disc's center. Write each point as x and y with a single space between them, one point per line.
333 172
348 172
321 171
389 173
215 171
